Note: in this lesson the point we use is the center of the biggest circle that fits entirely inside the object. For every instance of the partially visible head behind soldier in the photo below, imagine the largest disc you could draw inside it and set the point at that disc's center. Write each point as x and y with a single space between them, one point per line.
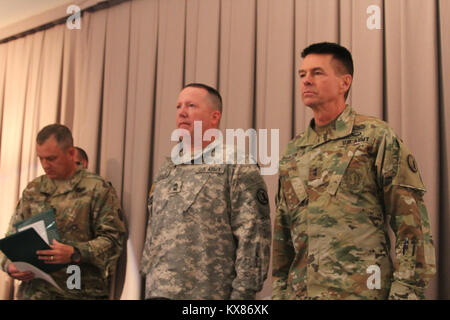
81 157
341 59
54 147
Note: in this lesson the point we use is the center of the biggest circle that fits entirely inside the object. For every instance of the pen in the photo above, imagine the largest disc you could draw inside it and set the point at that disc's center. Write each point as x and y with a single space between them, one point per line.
405 246
51 224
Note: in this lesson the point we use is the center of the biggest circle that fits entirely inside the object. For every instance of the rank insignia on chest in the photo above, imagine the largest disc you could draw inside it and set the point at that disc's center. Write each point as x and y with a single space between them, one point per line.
175 188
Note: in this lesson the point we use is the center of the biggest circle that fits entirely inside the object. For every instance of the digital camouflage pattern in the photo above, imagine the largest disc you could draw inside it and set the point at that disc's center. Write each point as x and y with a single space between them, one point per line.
208 234
336 191
89 217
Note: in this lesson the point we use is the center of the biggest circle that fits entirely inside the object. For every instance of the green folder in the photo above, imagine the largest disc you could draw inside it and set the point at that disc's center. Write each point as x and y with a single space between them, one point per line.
49 221
22 246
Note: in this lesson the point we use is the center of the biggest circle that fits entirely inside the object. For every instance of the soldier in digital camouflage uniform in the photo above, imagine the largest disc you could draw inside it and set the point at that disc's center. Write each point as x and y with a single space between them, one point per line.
338 183
89 219
208 234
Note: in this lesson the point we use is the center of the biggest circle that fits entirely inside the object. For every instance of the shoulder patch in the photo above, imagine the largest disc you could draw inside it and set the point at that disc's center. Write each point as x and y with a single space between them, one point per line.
408 170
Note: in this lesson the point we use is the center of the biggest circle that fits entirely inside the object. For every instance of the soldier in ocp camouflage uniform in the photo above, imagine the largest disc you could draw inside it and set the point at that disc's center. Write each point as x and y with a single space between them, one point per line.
339 181
88 216
208 234
81 157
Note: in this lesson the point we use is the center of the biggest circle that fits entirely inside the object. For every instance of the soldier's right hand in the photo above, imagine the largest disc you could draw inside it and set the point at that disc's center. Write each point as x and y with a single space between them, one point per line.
16 274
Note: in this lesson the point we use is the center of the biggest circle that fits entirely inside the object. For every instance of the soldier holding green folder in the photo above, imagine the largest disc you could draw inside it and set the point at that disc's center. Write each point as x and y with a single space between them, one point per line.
88 215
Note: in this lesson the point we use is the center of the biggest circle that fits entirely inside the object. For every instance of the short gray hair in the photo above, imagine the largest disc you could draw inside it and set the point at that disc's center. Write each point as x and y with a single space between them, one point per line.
62 134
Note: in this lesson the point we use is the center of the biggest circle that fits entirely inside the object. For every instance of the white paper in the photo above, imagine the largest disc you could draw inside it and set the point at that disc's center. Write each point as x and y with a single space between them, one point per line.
38 273
40 229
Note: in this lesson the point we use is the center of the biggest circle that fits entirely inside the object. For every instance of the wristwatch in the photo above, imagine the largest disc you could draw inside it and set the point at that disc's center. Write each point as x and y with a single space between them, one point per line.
76 256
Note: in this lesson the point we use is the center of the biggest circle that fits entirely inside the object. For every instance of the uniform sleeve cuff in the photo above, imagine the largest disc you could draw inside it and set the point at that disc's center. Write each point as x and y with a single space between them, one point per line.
85 251
240 295
403 291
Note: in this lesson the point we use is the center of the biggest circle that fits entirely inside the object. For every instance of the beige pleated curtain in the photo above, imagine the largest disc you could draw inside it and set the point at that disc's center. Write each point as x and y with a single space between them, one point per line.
115 81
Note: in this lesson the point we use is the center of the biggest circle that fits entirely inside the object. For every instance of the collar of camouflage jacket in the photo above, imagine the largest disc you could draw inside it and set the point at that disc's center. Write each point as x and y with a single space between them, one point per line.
48 186
343 127
190 157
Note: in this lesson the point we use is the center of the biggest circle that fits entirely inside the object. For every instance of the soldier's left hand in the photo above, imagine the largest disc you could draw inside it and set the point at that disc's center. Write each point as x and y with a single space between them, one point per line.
60 253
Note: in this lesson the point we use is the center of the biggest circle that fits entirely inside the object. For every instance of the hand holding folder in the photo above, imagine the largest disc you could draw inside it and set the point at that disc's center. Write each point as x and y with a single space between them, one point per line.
22 246
33 234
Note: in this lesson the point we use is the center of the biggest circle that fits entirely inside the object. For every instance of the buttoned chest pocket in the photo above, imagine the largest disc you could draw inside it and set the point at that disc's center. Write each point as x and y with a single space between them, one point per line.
76 219
175 195
328 169
355 174
340 174
212 202
294 189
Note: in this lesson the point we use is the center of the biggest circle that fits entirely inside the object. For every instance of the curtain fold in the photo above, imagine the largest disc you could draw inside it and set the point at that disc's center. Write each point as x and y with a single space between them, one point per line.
88 84
315 21
3 51
443 25
169 74
16 83
275 72
115 83
115 86
202 31
34 75
138 143
367 45
412 92
237 62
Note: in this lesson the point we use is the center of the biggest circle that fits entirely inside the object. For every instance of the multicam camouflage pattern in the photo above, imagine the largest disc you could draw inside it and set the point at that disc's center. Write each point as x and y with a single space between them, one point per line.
336 191
89 217
208 235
